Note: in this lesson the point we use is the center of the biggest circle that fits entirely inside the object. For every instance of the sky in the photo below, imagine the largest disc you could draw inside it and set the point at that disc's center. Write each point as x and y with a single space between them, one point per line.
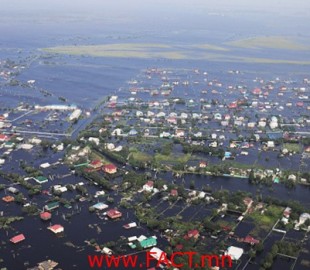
278 6
242 18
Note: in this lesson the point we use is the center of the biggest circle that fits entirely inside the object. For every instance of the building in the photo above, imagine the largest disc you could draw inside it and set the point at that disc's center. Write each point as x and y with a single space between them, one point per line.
96 164
8 199
40 179
148 242
51 206
13 190
249 240
174 193
148 186
192 234
234 252
113 214
179 133
110 168
56 228
159 254
4 138
75 114
46 265
203 164
45 215
45 165
287 212
18 238
303 217
130 225
100 206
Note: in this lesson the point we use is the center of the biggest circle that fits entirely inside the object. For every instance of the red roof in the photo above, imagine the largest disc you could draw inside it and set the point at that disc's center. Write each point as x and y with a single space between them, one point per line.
150 183
257 91
8 199
45 215
174 192
96 162
192 233
179 247
3 137
109 167
56 228
232 105
114 213
17 238
250 240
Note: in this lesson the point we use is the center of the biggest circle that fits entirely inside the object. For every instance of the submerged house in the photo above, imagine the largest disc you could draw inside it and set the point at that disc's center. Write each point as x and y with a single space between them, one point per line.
56 228
18 238
113 214
51 206
110 168
40 179
45 215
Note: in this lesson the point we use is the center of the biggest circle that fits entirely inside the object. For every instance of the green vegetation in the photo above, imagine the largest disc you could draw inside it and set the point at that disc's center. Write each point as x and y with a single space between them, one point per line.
280 247
264 221
160 158
144 51
272 42
292 147
6 221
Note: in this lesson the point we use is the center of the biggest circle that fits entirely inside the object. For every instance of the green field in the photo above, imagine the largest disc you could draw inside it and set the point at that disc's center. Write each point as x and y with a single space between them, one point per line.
159 158
271 42
203 51
268 218
292 147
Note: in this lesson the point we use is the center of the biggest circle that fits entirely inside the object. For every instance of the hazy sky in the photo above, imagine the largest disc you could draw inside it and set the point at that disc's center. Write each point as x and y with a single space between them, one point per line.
280 6
236 18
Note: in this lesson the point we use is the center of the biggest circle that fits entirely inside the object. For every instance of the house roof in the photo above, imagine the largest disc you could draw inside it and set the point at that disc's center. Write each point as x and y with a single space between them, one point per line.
3 137
56 228
17 238
96 162
235 252
174 192
251 240
45 215
41 178
192 233
110 167
52 205
113 213
8 199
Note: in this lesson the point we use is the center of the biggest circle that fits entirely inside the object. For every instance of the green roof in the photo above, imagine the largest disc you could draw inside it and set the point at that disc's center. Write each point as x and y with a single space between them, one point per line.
149 242
52 205
41 179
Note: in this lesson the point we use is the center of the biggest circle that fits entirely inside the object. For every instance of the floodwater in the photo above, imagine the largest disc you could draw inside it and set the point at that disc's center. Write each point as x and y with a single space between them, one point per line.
85 80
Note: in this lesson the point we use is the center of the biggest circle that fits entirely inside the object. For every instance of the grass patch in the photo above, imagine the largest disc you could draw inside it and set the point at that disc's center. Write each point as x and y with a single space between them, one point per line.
95 155
292 147
139 156
268 218
271 42
211 47
149 51
159 158
125 50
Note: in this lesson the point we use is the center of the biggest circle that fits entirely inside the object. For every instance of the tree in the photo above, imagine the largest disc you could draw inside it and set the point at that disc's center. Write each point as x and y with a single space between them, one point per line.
192 184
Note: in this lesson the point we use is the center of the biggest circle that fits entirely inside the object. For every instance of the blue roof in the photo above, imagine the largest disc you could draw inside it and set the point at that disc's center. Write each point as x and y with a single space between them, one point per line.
227 154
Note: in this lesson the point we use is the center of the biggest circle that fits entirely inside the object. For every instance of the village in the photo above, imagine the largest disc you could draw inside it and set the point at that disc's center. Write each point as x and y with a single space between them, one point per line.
176 159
